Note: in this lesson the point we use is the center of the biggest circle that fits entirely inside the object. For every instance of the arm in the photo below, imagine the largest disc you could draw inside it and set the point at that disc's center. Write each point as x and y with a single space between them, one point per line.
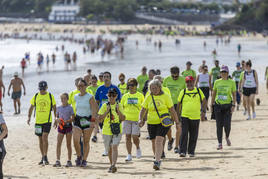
4 131
23 87
213 97
234 100
257 82
9 88
142 118
30 114
173 115
179 110
101 117
196 81
94 107
203 109
210 84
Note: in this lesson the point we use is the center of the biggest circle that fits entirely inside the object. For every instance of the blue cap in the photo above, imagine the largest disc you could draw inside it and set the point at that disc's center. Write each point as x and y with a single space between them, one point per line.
42 85
238 64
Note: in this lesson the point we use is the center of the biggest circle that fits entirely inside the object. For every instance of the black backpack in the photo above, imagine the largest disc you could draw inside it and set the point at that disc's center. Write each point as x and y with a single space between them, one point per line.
51 105
184 93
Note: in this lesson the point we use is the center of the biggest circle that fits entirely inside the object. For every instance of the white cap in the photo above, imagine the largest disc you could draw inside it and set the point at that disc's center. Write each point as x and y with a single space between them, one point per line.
16 74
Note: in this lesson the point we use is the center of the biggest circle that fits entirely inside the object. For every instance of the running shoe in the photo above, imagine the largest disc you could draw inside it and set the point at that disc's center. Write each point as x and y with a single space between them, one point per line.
254 115
41 162
105 153
94 139
78 161
228 142
45 160
84 163
69 164
147 138
170 144
128 158
112 169
138 153
182 155
57 164
191 155
245 112
157 165
176 150
163 155
219 147
249 118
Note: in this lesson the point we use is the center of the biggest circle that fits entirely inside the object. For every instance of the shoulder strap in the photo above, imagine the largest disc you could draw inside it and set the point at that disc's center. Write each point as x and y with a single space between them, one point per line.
184 91
155 107
50 96
198 91
254 74
35 96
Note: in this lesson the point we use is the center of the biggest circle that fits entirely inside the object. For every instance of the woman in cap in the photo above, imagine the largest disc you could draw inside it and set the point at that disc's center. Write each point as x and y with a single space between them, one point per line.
223 98
111 114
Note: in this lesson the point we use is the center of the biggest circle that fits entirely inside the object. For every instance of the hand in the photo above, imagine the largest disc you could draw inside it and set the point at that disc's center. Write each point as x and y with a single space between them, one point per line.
28 121
24 93
232 109
8 93
55 125
141 124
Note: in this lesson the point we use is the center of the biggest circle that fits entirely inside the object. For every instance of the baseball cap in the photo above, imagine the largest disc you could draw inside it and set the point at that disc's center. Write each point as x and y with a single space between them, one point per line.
189 63
238 64
16 74
189 78
101 74
42 85
112 90
225 68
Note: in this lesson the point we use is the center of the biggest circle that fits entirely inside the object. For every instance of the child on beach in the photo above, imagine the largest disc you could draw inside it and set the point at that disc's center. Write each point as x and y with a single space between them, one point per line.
65 116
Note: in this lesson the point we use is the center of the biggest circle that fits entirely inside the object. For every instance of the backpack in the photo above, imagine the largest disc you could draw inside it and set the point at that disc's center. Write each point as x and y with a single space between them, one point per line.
184 93
51 105
245 73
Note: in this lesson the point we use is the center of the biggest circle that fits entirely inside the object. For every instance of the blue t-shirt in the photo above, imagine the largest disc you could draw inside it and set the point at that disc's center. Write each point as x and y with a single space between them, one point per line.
101 94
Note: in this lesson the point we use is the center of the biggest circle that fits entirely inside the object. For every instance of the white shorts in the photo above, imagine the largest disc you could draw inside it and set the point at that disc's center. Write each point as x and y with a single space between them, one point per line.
109 140
131 127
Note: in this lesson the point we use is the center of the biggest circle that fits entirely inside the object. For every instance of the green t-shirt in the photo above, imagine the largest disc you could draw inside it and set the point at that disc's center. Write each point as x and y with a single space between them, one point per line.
189 73
43 107
174 86
242 75
236 75
215 72
224 90
141 81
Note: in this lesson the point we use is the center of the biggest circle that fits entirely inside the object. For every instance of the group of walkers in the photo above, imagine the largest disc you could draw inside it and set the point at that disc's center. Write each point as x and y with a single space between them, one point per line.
180 99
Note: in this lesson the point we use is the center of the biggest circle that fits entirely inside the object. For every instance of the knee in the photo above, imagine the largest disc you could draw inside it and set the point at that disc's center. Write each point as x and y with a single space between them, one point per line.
128 138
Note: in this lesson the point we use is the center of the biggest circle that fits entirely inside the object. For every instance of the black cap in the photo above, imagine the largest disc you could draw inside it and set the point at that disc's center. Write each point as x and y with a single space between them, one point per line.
112 90
42 85
189 63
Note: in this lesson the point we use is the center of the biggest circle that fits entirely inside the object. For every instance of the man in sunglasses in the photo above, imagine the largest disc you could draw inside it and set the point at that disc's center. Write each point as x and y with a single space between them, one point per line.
175 84
101 94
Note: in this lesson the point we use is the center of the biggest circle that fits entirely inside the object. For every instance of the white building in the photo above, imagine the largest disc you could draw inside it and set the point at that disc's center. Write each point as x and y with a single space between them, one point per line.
64 11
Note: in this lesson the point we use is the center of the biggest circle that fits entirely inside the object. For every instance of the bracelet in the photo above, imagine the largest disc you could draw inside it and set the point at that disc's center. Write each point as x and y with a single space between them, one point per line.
233 105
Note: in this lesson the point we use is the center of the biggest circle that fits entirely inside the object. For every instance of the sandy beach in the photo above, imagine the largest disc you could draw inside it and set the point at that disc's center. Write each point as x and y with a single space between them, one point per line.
246 158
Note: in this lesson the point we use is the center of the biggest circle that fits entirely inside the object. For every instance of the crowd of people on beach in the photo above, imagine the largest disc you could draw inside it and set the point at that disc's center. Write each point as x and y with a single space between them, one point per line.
98 105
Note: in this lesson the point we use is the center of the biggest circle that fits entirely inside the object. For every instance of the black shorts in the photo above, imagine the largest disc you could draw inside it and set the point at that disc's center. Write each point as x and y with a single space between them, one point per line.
249 91
157 130
205 90
41 128
77 122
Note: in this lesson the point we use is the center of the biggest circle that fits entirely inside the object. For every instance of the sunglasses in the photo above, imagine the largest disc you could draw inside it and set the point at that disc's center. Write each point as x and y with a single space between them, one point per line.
175 76
121 79
112 95
100 76
132 85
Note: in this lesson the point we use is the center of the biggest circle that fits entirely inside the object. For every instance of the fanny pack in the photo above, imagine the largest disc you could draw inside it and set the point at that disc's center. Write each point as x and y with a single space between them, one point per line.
165 118
83 121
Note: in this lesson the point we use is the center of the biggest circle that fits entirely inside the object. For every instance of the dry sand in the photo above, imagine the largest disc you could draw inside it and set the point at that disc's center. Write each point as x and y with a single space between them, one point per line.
246 158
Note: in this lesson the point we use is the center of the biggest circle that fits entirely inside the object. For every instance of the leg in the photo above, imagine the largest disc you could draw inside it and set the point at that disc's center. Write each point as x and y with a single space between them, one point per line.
247 101
69 145
15 106
153 145
128 143
41 145
169 134
178 135
252 102
244 102
45 143
86 136
227 123
110 155
219 123
193 129
184 135
76 139
18 101
136 141
158 147
114 154
59 142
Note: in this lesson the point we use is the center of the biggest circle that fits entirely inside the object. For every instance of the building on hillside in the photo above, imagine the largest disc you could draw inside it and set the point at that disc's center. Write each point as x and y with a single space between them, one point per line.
64 11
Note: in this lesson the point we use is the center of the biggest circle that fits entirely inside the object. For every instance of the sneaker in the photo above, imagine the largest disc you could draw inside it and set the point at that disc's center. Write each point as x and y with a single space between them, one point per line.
112 169
94 139
57 164
245 112
254 115
191 155
84 163
138 153
105 153
176 150
182 155
170 144
219 147
228 142
41 162
147 138
128 158
249 118
69 164
45 160
78 161
157 165
163 155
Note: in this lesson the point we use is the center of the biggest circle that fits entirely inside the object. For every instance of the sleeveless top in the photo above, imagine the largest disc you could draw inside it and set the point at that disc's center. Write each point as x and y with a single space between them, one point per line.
82 105
250 81
203 80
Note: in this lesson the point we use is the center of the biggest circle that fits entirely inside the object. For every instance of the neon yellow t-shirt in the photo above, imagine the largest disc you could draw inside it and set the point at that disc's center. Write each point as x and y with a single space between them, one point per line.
132 105
224 90
141 81
43 107
99 83
93 89
163 103
189 73
165 90
71 100
123 88
242 75
191 104
174 86
106 130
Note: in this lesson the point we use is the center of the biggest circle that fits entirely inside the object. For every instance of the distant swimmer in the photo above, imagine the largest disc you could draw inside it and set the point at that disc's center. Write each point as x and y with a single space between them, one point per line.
53 58
47 61
23 65
2 93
